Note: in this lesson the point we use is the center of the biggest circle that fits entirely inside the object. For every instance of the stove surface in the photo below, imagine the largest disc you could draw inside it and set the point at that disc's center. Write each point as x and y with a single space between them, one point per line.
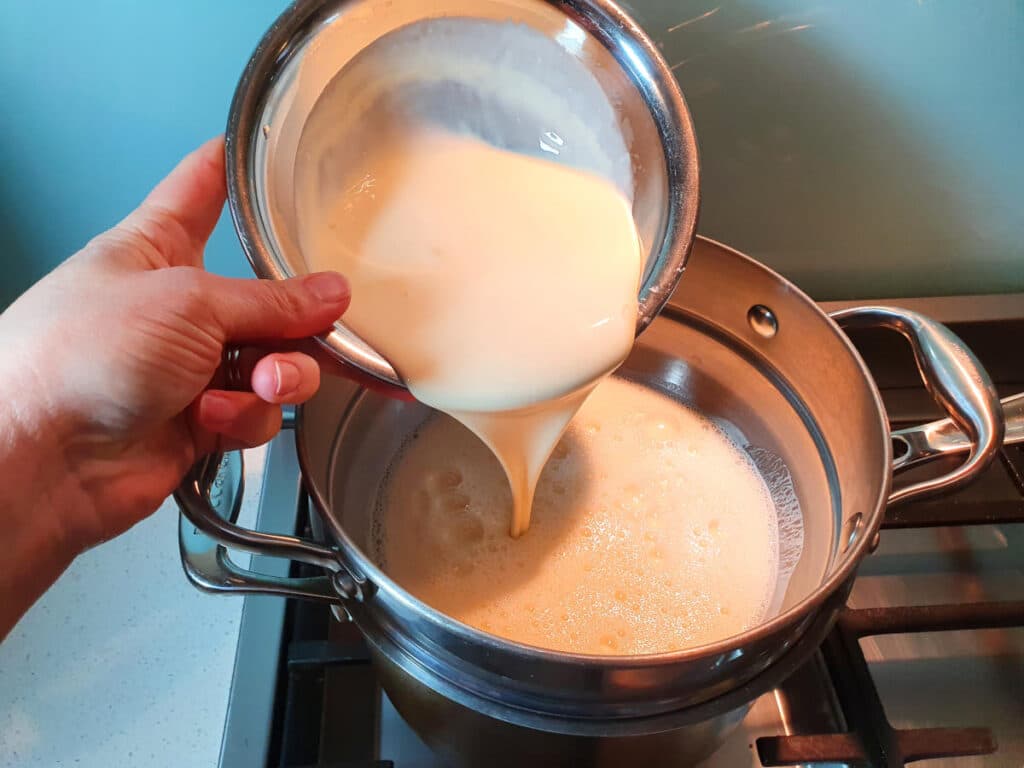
927 661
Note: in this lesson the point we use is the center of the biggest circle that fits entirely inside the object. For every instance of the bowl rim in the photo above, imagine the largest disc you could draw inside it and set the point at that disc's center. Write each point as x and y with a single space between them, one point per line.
352 555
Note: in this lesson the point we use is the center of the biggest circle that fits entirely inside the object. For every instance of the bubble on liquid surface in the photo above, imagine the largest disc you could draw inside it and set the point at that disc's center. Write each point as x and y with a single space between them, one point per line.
455 502
649 549
443 479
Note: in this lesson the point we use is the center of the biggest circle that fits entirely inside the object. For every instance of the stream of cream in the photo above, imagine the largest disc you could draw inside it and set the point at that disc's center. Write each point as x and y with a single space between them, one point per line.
501 287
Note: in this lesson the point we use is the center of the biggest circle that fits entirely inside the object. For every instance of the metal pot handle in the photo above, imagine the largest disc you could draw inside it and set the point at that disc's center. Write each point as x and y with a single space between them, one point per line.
943 437
209 498
955 379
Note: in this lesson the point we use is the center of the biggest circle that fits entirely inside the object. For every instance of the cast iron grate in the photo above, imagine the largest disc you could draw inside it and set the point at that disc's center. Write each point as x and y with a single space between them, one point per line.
998 497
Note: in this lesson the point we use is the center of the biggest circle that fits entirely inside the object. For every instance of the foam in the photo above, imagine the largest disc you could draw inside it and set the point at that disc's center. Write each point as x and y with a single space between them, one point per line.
651 532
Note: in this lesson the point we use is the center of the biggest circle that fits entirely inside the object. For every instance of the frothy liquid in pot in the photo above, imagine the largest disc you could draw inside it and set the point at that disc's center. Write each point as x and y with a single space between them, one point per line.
651 531
501 287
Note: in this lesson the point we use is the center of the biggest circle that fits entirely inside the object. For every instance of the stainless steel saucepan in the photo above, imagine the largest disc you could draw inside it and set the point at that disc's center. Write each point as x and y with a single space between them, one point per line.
737 342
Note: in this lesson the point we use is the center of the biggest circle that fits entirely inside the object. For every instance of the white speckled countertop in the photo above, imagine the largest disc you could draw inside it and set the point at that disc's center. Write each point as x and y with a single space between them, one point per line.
123 662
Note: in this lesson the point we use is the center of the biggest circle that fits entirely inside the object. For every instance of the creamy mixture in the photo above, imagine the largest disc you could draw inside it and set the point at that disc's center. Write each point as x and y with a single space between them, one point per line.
651 531
500 286
470 177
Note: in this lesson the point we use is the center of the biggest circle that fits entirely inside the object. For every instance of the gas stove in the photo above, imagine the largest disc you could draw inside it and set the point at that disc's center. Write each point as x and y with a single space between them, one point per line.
925 663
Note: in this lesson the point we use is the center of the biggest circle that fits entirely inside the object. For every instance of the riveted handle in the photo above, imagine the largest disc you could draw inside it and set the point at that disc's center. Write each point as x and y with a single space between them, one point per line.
209 499
955 379
925 442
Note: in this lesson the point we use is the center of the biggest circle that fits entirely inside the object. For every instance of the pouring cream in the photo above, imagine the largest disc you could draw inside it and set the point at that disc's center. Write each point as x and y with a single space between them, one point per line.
501 287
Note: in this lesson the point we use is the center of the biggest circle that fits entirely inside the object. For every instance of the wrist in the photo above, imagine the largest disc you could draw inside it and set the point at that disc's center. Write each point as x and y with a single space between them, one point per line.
38 546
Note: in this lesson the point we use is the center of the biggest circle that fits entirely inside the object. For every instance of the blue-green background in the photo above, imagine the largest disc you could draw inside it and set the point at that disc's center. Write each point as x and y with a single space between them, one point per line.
863 147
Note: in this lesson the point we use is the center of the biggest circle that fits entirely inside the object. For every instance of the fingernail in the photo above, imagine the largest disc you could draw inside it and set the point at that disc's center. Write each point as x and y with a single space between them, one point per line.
215 408
328 287
288 377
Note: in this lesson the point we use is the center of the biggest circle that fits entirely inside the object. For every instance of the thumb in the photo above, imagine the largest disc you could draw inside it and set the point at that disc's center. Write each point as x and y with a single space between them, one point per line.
253 310
182 210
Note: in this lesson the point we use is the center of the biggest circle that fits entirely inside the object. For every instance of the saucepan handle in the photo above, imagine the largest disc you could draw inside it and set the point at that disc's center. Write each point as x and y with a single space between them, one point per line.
209 498
943 437
955 379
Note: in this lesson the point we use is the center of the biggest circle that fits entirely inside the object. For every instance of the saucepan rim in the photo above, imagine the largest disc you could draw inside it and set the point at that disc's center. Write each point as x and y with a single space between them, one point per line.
356 559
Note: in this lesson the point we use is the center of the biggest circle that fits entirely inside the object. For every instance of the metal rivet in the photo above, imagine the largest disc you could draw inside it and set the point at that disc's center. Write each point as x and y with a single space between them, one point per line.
851 529
341 613
763 321
346 587
900 447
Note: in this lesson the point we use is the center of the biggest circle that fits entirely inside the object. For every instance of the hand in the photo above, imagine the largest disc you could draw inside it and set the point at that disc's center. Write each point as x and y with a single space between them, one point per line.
109 373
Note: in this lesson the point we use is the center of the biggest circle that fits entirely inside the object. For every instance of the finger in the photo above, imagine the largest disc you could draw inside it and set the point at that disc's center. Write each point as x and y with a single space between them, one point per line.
332 366
251 310
289 377
249 357
228 420
180 213
193 193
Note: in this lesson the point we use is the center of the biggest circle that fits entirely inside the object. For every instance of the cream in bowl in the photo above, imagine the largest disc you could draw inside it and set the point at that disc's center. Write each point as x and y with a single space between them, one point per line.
501 284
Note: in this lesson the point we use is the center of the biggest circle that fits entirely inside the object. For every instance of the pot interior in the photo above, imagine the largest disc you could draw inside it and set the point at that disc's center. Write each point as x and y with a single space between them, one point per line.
799 397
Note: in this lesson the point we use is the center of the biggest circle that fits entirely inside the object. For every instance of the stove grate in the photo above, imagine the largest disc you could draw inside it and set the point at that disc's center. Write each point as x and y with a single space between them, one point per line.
871 740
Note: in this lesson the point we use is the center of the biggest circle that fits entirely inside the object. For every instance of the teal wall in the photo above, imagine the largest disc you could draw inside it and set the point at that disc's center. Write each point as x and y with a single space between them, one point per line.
862 147
100 100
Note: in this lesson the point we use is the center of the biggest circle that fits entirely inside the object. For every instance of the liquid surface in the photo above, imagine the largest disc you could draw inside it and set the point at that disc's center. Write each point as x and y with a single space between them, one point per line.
500 286
651 531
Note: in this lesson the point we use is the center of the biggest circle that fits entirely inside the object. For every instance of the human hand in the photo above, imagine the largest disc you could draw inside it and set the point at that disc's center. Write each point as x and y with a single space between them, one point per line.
111 366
